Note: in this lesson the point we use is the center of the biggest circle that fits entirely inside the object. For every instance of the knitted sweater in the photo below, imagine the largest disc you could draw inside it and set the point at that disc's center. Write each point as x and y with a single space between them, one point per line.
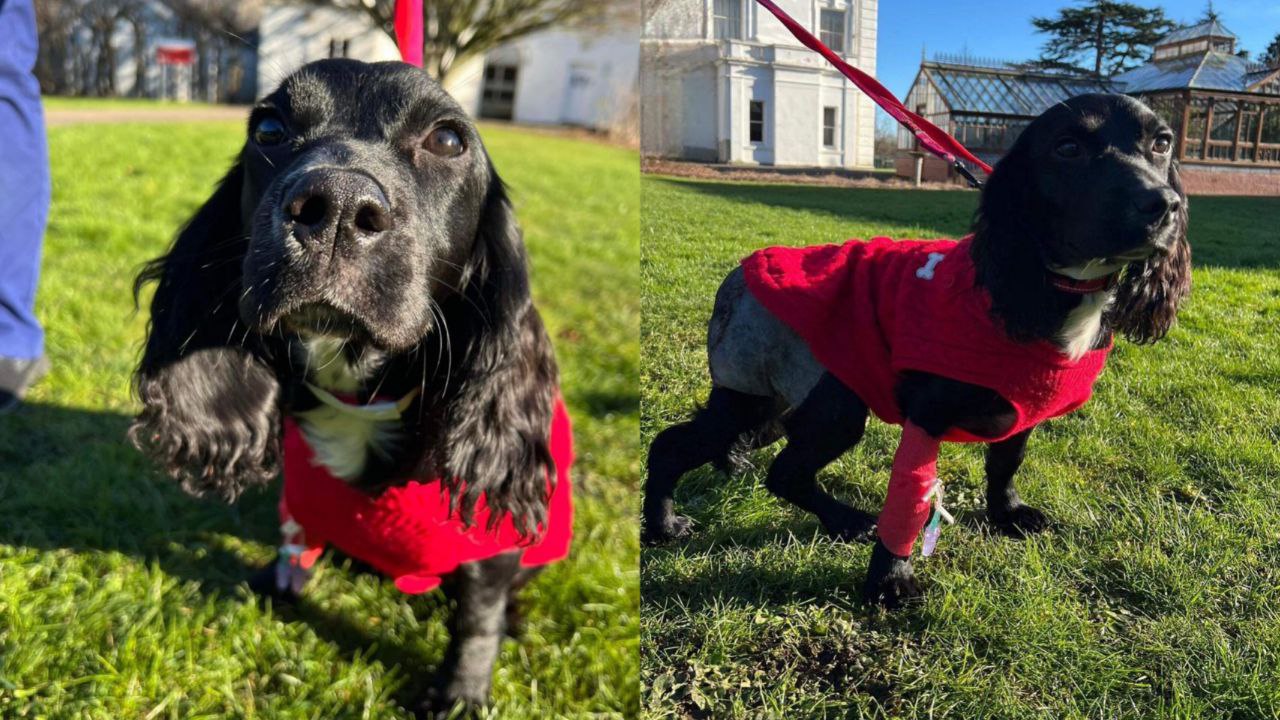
408 531
872 310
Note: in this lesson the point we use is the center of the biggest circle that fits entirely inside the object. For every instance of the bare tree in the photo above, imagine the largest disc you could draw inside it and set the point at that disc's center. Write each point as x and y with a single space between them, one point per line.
215 26
457 30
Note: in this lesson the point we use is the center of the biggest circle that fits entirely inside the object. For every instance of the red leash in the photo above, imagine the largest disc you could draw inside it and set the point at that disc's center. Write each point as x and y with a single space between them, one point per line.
409 30
931 136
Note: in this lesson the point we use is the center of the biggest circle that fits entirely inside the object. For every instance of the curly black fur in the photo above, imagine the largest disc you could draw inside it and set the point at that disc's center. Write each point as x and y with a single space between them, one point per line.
210 401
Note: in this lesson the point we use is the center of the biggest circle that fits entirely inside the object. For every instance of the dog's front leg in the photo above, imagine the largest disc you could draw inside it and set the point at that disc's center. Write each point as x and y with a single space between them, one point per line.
890 578
1005 508
482 591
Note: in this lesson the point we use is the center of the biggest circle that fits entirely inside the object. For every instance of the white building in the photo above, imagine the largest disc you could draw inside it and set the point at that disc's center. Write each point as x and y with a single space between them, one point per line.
724 81
552 77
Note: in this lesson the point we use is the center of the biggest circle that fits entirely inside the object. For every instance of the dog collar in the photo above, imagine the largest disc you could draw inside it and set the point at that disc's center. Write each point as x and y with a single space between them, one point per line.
1077 286
385 410
1090 277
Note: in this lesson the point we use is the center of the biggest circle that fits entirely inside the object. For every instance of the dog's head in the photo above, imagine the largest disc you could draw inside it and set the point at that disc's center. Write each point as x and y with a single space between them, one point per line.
363 209
365 188
1089 189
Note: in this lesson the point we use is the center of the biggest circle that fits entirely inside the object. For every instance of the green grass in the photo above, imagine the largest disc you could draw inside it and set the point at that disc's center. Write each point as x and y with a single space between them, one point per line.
1157 594
122 598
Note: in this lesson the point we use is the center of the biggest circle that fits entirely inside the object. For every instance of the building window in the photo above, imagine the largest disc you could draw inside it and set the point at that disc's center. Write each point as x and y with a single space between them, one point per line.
829 127
756 121
831 29
498 94
727 19
339 48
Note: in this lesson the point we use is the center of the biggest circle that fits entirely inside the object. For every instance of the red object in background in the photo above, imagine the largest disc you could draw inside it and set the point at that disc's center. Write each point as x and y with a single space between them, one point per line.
175 54
409 35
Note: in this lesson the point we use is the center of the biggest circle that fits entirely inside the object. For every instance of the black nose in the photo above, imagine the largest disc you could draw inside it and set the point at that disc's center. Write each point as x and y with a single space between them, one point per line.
1156 204
329 206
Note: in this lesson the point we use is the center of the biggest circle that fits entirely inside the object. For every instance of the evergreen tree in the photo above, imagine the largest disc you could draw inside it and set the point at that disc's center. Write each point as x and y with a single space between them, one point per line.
1271 56
1110 36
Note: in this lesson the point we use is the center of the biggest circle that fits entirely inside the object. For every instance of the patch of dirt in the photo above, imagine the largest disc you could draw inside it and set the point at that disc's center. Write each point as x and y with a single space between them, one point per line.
235 113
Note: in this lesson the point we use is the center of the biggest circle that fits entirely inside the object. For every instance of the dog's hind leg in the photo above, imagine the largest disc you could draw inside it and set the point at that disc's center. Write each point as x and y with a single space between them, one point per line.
737 460
831 420
1005 508
482 590
689 445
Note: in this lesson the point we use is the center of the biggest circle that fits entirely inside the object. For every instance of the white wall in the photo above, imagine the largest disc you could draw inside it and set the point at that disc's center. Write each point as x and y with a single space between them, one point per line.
770 65
547 60
291 36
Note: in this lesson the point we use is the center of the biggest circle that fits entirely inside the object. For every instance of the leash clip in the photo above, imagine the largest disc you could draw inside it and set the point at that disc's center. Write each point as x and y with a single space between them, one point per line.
934 528
974 182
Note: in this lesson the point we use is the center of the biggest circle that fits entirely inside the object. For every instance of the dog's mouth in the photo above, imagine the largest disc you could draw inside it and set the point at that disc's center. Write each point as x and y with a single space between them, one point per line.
324 320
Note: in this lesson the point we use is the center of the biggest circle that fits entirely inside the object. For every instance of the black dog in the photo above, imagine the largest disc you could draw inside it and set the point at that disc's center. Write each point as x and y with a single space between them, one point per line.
362 243
1088 197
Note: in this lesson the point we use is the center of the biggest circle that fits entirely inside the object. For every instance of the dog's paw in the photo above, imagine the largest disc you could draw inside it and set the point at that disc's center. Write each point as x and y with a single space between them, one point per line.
891 582
1018 521
848 524
673 527
266 583
440 704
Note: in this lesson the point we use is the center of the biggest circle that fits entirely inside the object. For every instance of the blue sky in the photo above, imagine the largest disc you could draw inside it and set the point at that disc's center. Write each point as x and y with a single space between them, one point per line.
1002 29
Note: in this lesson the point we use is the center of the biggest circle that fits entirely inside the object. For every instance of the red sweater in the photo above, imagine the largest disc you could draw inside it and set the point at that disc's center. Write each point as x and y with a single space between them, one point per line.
871 310
408 532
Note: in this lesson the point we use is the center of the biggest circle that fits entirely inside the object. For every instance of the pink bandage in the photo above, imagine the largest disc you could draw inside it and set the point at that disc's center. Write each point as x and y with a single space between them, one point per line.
906 507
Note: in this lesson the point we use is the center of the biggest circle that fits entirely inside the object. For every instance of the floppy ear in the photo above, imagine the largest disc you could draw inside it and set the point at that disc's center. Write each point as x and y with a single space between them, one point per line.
1147 300
209 400
498 413
1006 258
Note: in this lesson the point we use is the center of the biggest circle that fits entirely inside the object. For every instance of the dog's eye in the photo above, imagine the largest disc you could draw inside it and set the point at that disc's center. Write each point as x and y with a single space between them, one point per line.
445 142
268 131
1162 145
1067 148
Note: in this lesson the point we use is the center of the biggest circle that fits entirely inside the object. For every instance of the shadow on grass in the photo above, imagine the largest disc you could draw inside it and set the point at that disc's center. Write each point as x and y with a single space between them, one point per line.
603 404
1227 232
941 213
69 480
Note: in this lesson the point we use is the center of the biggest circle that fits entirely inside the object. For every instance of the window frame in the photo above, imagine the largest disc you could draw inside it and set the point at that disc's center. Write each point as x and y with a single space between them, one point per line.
752 123
823 33
833 128
736 33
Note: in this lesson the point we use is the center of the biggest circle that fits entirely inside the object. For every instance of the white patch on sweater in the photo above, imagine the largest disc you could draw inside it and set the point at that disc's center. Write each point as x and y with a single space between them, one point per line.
1080 329
342 438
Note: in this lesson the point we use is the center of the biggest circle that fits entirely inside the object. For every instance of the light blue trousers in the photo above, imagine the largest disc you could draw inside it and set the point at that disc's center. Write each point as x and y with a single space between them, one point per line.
24 182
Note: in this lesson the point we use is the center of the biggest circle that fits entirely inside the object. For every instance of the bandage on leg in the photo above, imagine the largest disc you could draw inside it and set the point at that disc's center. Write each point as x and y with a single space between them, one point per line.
907 506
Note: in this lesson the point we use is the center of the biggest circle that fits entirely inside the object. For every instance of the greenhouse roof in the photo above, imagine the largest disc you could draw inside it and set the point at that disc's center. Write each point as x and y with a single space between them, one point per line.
983 90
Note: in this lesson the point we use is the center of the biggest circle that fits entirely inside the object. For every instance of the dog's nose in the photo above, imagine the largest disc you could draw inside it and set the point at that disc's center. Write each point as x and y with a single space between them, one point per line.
1155 204
329 206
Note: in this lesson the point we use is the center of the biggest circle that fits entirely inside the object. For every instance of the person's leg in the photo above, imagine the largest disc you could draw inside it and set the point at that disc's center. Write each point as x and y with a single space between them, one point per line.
24 200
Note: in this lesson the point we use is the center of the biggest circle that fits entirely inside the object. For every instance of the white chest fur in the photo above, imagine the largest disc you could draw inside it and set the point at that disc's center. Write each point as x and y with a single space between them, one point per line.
1082 325
343 435
343 438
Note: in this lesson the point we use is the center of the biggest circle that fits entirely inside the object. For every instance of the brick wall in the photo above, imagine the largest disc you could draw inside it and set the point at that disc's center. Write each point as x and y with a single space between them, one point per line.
1205 181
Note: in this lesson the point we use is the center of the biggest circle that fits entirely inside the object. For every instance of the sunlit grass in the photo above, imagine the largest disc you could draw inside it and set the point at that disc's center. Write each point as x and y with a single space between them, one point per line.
1157 594
122 598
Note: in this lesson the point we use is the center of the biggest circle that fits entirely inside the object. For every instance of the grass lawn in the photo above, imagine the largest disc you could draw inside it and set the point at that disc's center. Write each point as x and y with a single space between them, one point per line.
122 598
1157 594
